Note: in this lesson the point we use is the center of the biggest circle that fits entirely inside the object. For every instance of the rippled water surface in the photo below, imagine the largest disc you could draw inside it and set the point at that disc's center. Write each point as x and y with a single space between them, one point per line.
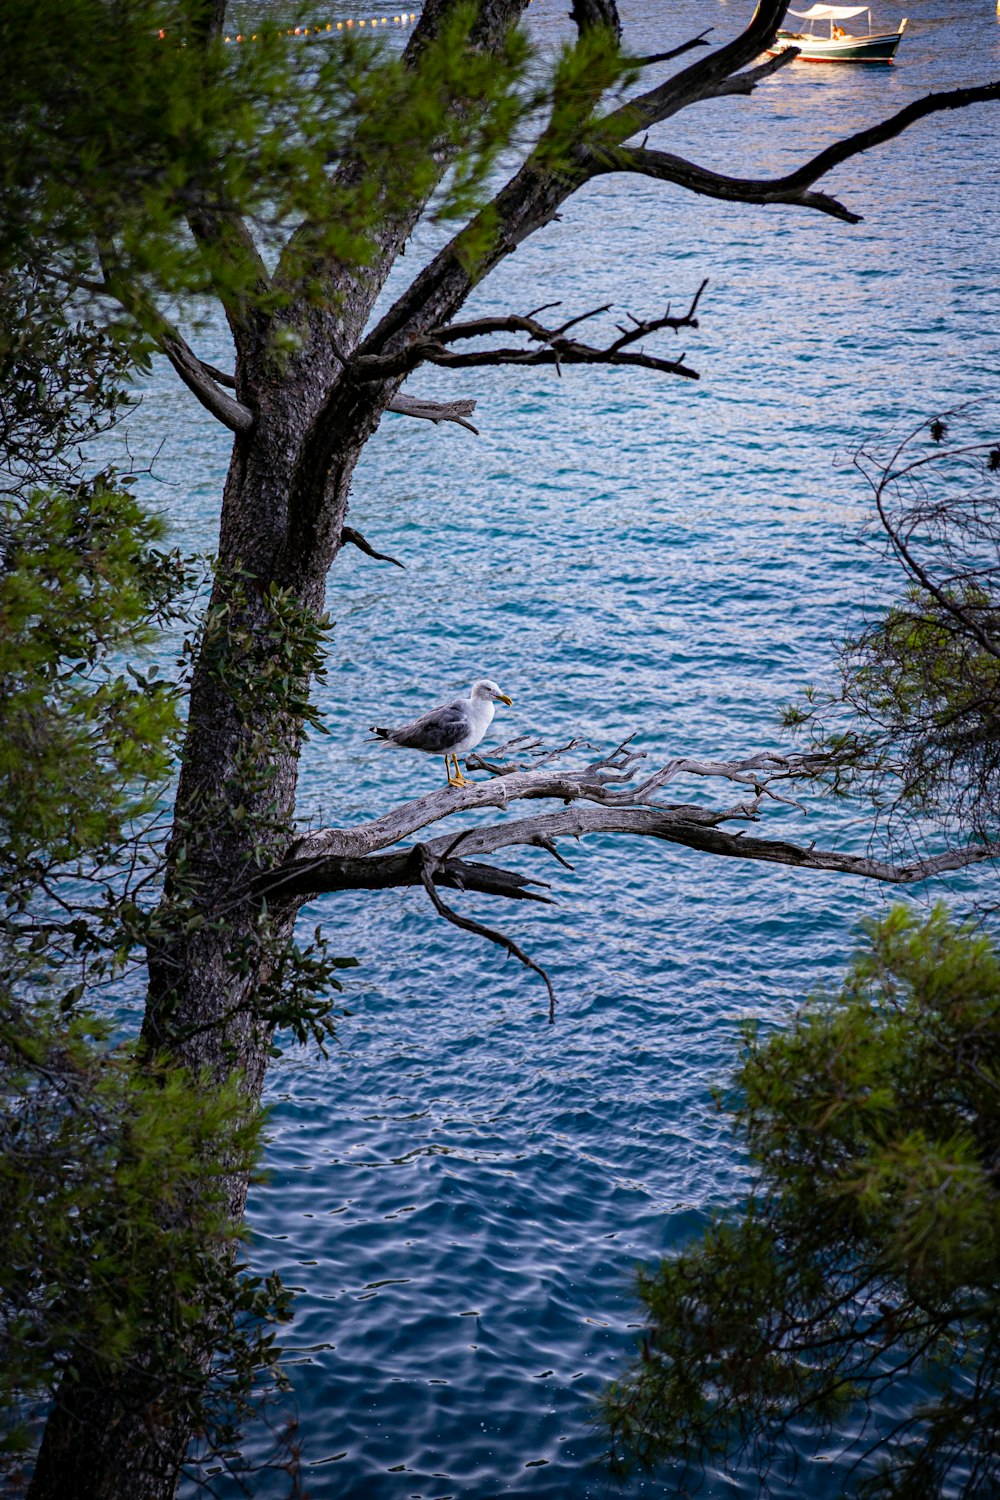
461 1191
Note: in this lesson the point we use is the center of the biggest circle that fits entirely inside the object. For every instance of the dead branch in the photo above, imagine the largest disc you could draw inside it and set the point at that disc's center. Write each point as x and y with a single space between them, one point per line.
514 323
694 828
355 539
664 167
435 411
300 878
556 348
795 187
608 795
232 414
527 779
527 754
534 195
888 129
221 377
199 378
311 872
429 874
658 57
946 520
747 79
707 77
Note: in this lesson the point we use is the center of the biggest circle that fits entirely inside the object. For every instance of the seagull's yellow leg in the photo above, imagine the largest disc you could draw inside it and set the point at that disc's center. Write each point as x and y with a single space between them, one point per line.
458 779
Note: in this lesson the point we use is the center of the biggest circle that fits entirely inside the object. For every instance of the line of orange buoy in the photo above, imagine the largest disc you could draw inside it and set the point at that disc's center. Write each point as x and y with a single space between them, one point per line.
404 19
330 26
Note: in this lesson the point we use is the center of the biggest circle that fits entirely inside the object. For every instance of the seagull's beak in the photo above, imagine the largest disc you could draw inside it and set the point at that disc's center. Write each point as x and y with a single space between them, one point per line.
504 699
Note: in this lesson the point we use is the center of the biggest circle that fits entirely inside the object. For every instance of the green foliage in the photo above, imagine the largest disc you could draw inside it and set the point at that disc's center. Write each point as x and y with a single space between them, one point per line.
268 657
914 723
87 740
124 127
62 381
460 103
584 74
869 1250
116 1233
295 995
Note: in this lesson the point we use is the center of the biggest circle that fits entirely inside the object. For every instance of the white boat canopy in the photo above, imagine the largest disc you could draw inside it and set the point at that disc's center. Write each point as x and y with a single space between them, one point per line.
829 12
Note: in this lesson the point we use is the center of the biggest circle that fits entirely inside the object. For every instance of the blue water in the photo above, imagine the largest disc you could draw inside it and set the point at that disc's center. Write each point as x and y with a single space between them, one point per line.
460 1192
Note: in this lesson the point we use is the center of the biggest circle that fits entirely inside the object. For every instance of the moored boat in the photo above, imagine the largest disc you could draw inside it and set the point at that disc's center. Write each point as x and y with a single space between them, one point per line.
840 45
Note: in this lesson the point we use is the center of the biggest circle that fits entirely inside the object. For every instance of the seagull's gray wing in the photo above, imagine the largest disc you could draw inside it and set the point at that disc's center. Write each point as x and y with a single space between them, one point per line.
436 731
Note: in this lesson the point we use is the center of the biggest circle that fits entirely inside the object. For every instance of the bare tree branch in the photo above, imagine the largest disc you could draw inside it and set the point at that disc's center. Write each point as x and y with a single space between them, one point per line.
901 536
747 79
231 413
886 130
605 796
513 323
349 534
664 167
534 195
521 779
435 411
659 57
428 873
302 879
703 79
793 188
691 828
202 379
221 377
556 348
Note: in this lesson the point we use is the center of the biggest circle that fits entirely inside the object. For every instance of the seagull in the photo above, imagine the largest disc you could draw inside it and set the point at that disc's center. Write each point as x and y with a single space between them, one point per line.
450 730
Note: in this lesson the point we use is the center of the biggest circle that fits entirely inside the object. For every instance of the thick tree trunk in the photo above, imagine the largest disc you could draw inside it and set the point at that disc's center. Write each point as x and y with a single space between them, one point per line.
100 1444
234 809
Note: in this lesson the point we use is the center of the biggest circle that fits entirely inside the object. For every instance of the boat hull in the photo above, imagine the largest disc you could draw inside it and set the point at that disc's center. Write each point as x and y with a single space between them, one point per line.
848 49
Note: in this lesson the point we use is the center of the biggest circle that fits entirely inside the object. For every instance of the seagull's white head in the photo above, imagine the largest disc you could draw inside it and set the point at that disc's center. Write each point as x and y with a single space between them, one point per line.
484 688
